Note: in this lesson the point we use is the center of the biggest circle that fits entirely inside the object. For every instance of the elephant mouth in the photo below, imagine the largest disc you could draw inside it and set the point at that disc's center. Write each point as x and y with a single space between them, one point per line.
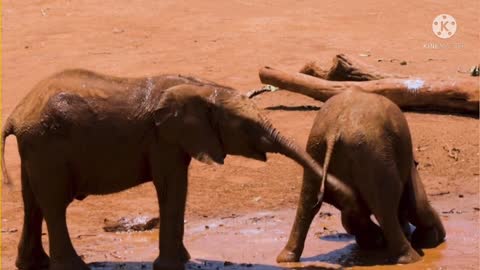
206 159
256 151
261 156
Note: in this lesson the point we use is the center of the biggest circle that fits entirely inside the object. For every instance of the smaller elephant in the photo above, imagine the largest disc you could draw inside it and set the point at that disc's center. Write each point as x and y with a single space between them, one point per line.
364 141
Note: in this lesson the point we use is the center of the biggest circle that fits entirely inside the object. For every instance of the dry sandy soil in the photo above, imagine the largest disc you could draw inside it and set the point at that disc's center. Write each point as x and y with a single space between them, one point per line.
228 41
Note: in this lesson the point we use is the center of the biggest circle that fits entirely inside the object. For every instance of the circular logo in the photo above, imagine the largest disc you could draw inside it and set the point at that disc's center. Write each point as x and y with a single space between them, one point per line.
444 26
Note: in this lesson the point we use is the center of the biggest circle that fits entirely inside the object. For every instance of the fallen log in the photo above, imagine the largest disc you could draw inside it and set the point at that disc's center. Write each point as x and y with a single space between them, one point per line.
438 95
346 68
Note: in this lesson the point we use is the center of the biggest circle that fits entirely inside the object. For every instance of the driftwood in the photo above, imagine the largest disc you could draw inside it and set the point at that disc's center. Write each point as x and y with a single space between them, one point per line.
345 68
137 224
440 95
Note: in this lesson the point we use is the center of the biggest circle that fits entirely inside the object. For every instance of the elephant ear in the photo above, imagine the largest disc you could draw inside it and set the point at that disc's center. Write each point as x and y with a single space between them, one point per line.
189 124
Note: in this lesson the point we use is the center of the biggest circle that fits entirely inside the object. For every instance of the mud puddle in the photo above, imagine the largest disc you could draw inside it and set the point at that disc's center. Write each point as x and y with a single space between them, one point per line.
252 241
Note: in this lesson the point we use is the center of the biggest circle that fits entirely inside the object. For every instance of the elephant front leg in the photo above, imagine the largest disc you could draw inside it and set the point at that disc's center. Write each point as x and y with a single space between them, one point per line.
172 194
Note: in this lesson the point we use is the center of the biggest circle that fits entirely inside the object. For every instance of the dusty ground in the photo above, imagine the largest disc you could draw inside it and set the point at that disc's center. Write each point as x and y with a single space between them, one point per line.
227 43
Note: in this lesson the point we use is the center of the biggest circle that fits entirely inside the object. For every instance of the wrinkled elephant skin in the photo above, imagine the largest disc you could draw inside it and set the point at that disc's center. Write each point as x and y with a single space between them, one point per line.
364 140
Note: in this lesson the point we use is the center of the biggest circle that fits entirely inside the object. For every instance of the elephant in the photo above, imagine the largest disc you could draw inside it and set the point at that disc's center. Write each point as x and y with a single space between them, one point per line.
83 133
363 140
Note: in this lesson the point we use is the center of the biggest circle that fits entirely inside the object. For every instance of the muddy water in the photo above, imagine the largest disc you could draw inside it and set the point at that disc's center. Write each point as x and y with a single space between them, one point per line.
252 241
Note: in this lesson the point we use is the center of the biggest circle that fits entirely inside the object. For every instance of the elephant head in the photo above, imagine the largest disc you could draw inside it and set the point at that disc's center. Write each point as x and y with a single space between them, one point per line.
210 122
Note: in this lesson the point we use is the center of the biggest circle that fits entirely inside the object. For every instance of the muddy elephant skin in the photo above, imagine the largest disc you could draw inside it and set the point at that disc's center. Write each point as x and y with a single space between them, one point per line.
81 133
364 141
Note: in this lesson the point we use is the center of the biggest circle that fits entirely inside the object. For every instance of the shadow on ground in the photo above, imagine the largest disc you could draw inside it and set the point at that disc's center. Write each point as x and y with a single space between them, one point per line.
351 254
293 108
200 264
348 256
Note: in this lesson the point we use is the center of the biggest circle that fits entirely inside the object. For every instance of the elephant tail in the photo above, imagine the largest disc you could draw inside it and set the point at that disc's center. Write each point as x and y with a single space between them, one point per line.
326 161
8 129
328 154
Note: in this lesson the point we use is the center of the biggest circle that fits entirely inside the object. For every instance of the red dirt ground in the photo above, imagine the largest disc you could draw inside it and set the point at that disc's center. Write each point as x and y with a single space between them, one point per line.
228 41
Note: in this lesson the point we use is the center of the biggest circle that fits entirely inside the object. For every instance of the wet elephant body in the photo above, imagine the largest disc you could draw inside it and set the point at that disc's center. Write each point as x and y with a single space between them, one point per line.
82 133
364 140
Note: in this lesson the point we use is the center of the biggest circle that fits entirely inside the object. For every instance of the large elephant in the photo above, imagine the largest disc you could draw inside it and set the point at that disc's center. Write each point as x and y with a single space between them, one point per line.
81 133
364 141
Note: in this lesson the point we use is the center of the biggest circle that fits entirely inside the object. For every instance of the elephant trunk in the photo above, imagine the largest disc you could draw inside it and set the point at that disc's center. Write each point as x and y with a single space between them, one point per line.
274 142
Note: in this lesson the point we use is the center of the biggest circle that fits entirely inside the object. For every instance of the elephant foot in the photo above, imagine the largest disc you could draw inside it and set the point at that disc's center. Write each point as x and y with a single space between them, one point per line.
287 256
39 261
74 263
168 264
409 256
184 255
427 238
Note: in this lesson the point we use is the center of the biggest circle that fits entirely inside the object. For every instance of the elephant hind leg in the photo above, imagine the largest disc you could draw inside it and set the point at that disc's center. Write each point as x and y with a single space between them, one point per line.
51 186
308 207
385 203
429 231
31 254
